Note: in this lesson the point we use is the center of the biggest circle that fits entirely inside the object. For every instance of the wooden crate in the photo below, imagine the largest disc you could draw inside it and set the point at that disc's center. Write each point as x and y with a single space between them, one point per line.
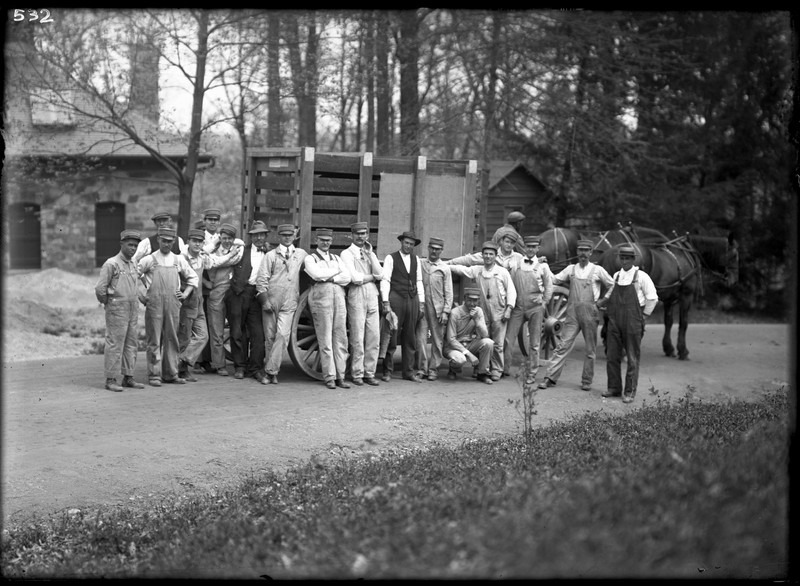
332 190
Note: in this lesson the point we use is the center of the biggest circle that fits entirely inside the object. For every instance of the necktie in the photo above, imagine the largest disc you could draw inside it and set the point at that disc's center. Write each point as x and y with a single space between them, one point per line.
527 261
262 249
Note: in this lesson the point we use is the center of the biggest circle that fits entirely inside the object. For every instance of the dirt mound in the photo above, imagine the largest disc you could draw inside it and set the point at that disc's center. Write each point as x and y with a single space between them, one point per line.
52 287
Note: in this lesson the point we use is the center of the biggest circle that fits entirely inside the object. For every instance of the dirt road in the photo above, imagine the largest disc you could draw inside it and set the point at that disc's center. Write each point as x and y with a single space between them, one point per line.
68 443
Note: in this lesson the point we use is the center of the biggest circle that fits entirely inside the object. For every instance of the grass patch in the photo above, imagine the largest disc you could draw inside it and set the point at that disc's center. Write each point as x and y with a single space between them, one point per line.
673 489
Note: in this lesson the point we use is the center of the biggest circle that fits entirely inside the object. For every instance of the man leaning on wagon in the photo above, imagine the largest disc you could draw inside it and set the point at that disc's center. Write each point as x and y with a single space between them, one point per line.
326 301
363 312
278 291
513 226
117 289
534 290
437 282
162 273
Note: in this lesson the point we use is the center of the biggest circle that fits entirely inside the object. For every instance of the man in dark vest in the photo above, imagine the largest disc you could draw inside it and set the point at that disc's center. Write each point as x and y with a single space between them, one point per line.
150 245
403 293
244 310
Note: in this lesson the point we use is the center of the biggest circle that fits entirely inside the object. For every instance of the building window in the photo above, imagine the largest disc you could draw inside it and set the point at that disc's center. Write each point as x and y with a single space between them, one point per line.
24 236
109 221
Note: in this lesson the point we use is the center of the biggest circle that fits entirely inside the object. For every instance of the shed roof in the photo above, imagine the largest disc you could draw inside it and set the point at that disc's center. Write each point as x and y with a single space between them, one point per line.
499 170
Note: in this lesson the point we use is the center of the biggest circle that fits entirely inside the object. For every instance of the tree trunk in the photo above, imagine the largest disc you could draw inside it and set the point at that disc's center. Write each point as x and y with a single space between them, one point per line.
369 64
383 90
274 129
407 58
186 183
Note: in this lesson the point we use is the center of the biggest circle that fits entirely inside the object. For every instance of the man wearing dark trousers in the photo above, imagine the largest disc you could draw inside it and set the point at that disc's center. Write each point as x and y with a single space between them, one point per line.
244 310
403 293
630 300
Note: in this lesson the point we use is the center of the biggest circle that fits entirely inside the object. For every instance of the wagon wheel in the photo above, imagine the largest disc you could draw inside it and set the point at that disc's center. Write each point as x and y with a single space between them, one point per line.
303 345
551 327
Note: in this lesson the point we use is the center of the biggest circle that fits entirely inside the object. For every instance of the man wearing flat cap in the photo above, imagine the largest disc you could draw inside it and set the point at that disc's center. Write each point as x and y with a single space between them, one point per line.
278 291
326 301
631 298
148 245
211 225
117 289
467 338
402 293
437 282
162 273
505 253
243 309
513 226
193 329
534 286
363 312
498 297
586 281
219 279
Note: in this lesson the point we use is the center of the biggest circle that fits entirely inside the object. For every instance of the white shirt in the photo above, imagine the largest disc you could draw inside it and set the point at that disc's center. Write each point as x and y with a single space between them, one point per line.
645 289
388 267
256 256
143 249
600 277
210 242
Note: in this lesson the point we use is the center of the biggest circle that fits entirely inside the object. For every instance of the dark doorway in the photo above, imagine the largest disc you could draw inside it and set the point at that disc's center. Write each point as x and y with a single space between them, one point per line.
109 221
24 236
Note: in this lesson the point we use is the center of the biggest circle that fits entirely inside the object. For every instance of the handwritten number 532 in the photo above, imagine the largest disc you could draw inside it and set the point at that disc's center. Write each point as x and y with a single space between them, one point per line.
42 15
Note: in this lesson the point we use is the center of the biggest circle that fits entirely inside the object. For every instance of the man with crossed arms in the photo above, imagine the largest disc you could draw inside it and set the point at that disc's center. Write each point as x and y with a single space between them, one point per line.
328 308
363 314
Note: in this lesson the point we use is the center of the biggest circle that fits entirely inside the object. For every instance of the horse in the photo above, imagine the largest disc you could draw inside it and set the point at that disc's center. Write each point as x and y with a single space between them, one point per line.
559 246
676 267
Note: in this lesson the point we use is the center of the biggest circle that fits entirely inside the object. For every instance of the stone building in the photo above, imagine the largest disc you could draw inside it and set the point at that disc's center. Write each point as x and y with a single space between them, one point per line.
72 182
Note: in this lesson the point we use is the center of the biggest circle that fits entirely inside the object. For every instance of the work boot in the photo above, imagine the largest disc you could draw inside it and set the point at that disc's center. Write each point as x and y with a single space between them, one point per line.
330 384
111 385
372 381
155 382
451 375
127 381
486 379
239 373
175 381
359 382
386 377
341 383
222 371
185 373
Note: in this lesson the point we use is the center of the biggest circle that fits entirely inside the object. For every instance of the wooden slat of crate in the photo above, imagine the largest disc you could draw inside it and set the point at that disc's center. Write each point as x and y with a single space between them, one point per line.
275 181
340 203
275 163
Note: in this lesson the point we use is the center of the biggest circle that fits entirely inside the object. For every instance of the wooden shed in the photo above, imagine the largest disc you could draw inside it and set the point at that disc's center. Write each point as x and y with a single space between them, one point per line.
513 187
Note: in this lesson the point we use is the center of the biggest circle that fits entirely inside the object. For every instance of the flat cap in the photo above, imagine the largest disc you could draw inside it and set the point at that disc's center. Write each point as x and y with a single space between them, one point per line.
433 241
228 229
472 292
130 235
358 226
584 243
411 235
510 235
258 227
515 217
626 250
212 213
195 234
324 232
285 229
162 215
167 232
490 245
533 240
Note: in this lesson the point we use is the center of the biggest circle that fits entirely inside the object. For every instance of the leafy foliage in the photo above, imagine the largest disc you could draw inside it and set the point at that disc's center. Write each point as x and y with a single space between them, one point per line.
673 489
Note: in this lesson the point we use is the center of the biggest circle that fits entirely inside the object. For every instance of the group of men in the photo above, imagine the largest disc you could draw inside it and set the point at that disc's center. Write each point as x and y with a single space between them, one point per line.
361 310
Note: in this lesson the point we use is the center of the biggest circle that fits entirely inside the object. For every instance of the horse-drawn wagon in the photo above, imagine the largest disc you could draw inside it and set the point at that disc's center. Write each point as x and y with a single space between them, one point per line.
311 190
